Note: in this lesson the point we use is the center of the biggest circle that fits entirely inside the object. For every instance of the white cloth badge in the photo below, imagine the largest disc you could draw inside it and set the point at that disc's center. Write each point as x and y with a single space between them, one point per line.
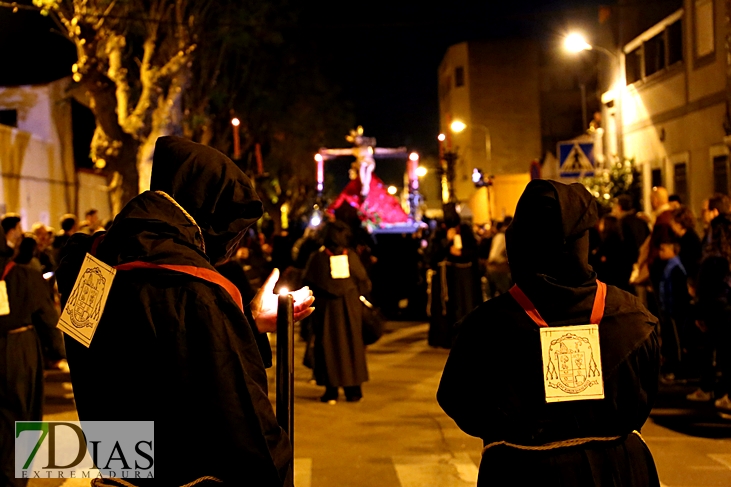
85 305
4 303
572 365
339 267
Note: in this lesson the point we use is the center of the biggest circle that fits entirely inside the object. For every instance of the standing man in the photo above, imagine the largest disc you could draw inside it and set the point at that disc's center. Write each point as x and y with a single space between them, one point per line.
498 382
175 341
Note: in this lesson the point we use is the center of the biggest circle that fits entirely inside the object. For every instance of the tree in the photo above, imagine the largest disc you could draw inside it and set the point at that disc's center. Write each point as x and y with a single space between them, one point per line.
148 68
133 64
620 178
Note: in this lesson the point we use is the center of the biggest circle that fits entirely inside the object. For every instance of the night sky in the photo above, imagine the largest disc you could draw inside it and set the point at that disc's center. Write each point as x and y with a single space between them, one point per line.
384 55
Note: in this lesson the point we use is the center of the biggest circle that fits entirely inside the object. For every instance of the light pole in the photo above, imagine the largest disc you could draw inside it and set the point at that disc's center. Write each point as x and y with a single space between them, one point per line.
458 126
576 43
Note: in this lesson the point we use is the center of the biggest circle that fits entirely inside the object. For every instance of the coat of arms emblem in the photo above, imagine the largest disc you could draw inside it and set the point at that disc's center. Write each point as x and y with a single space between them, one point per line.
86 299
572 363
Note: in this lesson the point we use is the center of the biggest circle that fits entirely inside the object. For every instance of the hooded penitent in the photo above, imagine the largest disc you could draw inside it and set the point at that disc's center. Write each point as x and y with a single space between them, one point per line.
172 347
493 382
548 244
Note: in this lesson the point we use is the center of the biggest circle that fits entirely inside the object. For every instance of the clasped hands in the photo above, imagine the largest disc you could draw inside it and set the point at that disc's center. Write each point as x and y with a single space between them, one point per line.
264 305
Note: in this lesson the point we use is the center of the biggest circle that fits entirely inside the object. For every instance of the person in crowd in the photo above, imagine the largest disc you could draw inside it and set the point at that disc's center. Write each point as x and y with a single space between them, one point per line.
493 383
255 261
44 238
94 223
498 271
683 225
13 228
195 361
27 253
715 206
338 279
610 263
675 201
453 278
634 232
713 305
69 226
675 308
21 357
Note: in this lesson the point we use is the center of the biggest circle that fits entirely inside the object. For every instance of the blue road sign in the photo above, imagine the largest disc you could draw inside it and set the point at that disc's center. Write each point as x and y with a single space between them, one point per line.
576 159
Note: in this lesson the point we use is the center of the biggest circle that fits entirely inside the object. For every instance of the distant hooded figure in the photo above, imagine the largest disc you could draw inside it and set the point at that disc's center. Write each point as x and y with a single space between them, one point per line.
177 348
337 323
493 381
31 312
453 277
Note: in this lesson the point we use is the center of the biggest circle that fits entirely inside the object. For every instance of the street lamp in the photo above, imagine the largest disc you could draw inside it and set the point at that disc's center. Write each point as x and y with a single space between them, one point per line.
458 126
576 43
237 144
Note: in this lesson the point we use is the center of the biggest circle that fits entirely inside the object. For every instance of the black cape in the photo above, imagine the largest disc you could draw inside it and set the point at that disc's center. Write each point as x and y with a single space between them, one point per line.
173 348
492 384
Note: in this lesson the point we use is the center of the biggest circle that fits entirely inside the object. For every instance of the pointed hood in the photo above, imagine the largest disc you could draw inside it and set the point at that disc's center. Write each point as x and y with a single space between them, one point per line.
548 245
210 187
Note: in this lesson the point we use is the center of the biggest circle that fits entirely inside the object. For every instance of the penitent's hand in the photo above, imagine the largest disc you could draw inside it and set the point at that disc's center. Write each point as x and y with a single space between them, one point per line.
264 305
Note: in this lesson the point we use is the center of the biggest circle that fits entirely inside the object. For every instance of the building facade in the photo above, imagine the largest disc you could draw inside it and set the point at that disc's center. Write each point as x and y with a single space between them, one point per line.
39 180
673 103
493 88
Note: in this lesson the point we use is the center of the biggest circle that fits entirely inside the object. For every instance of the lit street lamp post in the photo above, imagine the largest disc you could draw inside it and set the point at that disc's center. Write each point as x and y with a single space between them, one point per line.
458 126
576 43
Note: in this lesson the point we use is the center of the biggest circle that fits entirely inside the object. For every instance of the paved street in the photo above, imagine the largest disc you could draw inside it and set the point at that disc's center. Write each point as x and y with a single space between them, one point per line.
398 436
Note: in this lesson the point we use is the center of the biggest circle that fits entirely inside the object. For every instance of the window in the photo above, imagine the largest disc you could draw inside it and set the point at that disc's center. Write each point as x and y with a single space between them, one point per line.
633 63
458 76
703 33
680 181
675 42
657 53
720 174
9 118
654 54
657 177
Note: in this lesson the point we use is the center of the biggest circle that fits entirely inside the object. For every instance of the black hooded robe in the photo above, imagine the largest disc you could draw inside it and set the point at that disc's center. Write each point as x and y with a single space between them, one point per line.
21 358
337 322
492 385
174 348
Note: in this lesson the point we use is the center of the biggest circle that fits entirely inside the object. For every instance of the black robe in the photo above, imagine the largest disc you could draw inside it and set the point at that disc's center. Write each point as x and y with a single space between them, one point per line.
454 285
21 357
492 385
337 322
177 349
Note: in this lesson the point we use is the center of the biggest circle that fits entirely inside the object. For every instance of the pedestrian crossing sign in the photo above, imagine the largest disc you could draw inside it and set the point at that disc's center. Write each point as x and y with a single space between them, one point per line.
576 159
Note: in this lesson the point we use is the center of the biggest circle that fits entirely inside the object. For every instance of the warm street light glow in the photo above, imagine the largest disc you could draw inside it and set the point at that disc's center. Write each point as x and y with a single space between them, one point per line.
576 43
442 137
235 122
414 156
421 171
457 126
318 157
392 190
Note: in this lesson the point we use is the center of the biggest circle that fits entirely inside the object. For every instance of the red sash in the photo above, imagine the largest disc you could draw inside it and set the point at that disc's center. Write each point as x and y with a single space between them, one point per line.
8 267
597 312
199 272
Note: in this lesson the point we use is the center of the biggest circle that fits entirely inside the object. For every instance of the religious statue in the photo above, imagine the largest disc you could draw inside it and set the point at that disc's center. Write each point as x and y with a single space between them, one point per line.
365 152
